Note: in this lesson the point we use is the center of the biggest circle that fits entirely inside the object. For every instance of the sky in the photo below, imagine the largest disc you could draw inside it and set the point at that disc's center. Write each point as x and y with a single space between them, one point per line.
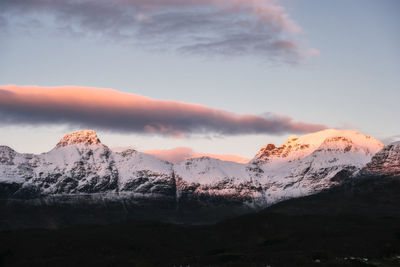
205 76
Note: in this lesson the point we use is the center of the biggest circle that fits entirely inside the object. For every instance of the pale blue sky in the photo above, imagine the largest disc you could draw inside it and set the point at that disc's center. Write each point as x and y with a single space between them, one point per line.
353 83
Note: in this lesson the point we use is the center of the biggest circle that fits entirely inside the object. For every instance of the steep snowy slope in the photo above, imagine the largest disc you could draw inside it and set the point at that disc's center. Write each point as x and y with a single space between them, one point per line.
299 147
213 177
81 164
385 162
311 163
12 169
144 174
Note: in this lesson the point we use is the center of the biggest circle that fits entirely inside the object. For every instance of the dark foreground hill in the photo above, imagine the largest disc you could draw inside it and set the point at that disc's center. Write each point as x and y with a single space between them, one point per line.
355 224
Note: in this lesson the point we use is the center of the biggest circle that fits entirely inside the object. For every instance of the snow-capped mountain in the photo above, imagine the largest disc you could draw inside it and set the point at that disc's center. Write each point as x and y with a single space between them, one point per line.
80 165
311 163
207 176
385 162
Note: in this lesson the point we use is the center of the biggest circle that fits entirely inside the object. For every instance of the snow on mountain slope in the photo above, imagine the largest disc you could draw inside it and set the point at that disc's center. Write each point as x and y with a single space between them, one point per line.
76 168
8 160
143 173
207 170
299 147
385 162
212 177
81 164
312 163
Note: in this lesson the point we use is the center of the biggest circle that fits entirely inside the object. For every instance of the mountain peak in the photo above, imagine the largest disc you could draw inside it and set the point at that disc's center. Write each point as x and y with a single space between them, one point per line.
299 147
83 137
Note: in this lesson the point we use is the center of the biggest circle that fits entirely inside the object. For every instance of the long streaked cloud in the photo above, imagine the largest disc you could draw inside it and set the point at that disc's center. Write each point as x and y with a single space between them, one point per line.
182 153
116 111
222 27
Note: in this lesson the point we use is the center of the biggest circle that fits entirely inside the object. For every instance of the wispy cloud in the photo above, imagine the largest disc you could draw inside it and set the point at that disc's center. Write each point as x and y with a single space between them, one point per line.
122 112
391 139
221 27
182 153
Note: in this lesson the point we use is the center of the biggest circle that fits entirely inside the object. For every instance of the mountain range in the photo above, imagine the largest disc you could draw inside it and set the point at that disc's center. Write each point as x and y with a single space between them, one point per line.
83 177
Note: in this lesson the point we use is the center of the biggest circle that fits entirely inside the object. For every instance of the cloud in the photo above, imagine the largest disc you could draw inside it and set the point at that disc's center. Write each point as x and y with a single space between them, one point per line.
391 139
111 110
210 27
182 153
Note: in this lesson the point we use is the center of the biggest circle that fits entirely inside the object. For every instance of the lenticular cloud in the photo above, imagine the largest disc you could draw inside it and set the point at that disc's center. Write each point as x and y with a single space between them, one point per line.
122 112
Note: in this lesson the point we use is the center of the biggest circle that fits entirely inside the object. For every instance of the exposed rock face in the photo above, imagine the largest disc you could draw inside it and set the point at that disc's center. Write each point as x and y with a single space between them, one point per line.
7 155
84 137
292 148
385 162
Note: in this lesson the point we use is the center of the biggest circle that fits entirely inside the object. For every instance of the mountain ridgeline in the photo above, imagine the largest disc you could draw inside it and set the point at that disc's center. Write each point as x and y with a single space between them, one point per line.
83 181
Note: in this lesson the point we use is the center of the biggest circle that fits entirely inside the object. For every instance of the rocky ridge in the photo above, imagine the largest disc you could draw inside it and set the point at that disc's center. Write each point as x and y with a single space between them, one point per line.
80 165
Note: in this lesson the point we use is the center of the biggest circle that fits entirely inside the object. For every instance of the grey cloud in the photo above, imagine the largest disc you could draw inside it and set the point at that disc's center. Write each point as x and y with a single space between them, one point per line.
207 27
391 139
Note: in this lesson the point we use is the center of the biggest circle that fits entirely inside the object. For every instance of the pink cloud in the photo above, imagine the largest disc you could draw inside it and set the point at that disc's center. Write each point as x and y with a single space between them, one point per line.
182 153
123 112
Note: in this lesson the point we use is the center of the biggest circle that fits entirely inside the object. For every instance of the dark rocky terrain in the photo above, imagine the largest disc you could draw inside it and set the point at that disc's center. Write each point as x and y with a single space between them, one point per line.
354 224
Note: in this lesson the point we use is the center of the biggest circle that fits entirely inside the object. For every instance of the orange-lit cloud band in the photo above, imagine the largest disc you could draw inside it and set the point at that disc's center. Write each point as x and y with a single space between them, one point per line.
122 112
182 153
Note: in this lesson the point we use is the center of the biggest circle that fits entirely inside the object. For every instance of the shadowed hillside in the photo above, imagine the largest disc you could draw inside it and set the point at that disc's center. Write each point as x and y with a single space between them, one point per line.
345 225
